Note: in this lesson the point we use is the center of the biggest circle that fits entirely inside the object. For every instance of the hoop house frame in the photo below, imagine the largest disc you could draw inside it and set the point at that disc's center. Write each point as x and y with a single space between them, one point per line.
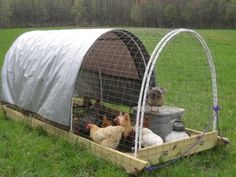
148 73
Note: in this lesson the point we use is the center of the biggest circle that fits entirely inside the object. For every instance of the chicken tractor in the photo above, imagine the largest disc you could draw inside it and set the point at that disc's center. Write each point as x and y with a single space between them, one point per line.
139 98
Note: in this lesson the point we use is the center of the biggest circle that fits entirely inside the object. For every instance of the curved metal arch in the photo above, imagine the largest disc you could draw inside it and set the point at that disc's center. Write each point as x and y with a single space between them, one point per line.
149 70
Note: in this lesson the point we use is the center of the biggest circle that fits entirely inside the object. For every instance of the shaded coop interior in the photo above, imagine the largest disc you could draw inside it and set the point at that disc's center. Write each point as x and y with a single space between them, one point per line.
109 81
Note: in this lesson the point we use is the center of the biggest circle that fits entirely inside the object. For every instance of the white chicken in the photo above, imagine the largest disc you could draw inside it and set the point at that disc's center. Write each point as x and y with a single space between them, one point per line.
109 136
149 138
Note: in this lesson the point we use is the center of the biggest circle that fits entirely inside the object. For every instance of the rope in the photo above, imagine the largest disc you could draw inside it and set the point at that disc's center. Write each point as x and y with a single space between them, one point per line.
217 109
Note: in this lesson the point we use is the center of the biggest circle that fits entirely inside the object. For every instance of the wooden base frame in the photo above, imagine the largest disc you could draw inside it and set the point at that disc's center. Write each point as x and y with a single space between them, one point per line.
147 156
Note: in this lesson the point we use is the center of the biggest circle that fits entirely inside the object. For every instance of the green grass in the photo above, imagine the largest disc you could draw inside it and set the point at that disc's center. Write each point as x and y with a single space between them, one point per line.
183 70
27 152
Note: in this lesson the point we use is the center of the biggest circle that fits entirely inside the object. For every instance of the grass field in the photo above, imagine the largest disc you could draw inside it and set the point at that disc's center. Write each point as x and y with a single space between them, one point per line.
27 152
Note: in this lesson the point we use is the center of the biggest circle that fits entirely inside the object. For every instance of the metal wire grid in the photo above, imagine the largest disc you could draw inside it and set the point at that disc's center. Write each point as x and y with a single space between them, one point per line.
111 78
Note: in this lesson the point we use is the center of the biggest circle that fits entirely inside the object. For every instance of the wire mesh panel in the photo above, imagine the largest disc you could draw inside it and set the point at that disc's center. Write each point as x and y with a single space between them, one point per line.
108 90
187 79
109 83
184 104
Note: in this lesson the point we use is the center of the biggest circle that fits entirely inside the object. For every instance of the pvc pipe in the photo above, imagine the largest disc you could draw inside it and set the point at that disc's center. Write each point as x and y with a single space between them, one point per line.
148 73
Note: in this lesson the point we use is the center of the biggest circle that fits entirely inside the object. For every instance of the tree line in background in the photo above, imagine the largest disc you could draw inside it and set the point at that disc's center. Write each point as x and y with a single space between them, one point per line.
148 13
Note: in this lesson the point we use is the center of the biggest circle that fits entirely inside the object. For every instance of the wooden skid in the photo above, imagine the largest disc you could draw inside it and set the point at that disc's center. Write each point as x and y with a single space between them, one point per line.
128 162
146 156
172 150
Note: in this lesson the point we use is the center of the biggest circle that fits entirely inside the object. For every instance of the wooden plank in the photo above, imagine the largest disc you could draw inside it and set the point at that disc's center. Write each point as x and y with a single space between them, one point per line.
172 150
128 162
192 132
222 140
146 156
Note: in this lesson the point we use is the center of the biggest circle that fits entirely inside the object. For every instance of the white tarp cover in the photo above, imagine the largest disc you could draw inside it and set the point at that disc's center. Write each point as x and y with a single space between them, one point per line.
40 70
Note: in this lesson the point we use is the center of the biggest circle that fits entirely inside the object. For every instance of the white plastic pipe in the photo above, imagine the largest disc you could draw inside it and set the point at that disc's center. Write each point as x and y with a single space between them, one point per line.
137 128
148 73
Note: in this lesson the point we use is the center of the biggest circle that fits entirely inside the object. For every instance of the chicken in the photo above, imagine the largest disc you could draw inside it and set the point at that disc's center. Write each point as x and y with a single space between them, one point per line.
79 124
109 136
146 121
76 102
127 141
106 122
155 97
149 138
125 122
127 144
